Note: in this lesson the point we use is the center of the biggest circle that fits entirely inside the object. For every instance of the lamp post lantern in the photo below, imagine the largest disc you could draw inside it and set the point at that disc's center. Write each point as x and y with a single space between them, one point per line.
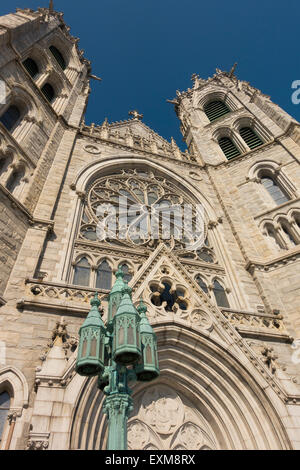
123 351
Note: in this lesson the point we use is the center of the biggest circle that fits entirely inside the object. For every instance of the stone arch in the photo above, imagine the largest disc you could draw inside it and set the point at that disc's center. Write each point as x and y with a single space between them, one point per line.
254 124
66 48
216 388
217 94
16 382
20 94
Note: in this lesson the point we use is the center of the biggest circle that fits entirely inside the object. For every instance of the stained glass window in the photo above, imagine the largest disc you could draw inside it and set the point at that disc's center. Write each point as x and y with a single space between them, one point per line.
138 208
201 283
220 295
4 409
82 273
104 276
127 274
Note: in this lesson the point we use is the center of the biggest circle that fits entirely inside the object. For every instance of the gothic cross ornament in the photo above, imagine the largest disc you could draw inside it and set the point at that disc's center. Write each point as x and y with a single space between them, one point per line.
135 114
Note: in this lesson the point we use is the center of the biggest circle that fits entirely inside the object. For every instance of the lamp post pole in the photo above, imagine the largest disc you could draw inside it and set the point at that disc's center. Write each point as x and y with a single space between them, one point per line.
123 351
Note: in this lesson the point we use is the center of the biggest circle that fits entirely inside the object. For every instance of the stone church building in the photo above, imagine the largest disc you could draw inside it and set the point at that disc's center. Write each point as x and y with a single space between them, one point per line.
226 315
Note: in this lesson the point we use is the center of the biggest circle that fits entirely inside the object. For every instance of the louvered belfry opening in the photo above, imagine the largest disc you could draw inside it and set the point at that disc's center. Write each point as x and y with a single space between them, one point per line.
58 56
215 109
31 67
228 148
48 92
251 139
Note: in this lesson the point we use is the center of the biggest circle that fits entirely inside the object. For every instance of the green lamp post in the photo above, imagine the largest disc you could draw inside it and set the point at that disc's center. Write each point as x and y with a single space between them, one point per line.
125 350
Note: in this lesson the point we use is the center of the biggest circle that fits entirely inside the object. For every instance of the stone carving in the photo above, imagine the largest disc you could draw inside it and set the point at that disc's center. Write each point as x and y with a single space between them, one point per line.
274 323
270 358
38 441
201 318
162 409
138 435
135 114
151 447
190 436
67 293
93 149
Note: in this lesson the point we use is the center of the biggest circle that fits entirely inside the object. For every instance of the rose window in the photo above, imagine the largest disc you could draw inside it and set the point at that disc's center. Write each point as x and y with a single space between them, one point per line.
139 208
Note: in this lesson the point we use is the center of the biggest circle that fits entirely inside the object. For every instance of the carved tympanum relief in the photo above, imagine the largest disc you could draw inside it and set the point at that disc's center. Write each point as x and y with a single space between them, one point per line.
165 420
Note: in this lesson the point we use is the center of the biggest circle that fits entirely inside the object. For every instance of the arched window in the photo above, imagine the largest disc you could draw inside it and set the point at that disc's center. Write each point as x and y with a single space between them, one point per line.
271 233
250 137
31 67
204 255
297 219
228 148
201 283
15 180
104 276
82 273
58 56
10 118
4 409
220 295
90 234
127 275
289 235
4 164
48 92
274 190
215 109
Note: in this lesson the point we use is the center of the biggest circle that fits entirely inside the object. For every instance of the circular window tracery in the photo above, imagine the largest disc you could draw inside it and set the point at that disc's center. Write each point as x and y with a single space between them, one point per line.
165 295
139 208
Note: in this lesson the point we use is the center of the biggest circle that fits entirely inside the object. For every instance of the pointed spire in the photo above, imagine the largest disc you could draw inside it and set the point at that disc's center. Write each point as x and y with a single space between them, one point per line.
126 305
145 326
51 6
105 123
119 283
94 317
173 143
115 295
142 308
231 73
59 332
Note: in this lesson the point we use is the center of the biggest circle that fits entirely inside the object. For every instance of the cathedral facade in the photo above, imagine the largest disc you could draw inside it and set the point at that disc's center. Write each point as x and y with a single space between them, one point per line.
226 315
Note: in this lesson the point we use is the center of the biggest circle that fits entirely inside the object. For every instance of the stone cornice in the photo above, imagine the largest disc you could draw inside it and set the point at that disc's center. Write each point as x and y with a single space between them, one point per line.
16 204
277 208
113 249
14 143
266 265
246 155
29 218
139 151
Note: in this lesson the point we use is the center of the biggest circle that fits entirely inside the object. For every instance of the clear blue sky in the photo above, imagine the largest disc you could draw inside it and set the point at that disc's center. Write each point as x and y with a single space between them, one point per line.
146 49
